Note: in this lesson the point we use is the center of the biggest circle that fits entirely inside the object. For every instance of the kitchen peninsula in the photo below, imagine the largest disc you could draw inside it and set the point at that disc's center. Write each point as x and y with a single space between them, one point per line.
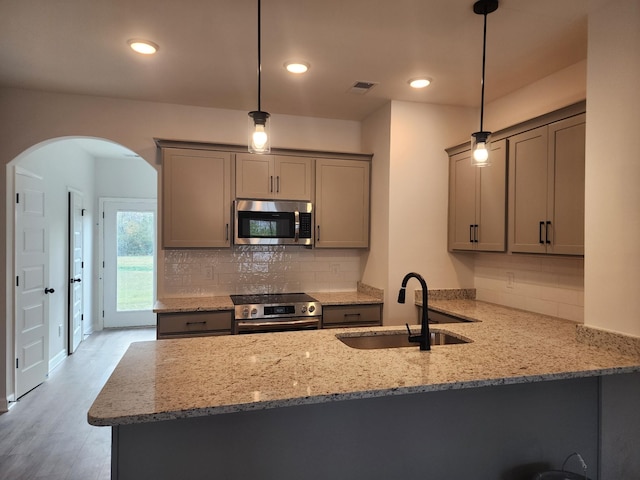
524 393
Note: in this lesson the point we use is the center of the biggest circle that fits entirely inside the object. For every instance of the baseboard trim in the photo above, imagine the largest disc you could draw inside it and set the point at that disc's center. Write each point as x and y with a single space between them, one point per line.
57 360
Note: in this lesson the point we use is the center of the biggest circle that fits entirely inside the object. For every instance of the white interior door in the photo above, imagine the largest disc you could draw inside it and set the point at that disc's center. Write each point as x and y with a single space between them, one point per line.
76 266
31 287
129 277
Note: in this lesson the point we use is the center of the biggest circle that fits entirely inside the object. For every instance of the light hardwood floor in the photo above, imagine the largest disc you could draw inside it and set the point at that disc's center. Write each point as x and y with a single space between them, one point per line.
45 435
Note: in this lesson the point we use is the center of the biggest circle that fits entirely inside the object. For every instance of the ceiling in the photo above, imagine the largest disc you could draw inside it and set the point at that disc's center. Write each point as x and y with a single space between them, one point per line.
208 50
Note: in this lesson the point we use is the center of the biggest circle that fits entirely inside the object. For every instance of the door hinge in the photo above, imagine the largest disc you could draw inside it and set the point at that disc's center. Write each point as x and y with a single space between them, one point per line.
17 198
102 313
17 363
82 317
103 215
82 264
103 264
82 212
17 281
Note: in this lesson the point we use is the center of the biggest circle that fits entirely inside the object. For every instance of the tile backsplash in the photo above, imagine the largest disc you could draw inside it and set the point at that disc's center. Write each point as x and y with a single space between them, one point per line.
258 269
542 284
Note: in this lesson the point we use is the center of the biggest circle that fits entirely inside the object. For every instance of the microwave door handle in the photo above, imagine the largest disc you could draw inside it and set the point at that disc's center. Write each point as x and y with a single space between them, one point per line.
296 227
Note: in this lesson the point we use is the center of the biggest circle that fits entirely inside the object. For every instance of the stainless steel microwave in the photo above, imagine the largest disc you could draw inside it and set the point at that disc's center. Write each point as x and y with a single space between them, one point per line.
272 222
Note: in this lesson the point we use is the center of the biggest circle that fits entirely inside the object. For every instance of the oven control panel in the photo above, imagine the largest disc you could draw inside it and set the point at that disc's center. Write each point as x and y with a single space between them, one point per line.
306 309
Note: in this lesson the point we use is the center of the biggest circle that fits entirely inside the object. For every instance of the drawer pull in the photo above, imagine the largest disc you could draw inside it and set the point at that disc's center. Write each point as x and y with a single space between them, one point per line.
351 315
197 323
540 232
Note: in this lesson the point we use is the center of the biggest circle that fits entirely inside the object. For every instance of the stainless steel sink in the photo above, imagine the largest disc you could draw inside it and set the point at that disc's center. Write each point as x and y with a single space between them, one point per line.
371 340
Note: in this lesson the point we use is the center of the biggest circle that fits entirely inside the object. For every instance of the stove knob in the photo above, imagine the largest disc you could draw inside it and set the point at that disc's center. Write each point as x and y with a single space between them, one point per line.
312 308
245 312
304 309
254 311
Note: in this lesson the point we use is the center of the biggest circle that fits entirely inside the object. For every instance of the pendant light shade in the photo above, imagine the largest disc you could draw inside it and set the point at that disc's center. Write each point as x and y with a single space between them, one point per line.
480 140
259 129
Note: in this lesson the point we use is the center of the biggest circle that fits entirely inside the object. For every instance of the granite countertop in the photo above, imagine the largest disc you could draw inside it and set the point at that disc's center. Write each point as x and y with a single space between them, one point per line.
345 298
193 304
182 378
223 302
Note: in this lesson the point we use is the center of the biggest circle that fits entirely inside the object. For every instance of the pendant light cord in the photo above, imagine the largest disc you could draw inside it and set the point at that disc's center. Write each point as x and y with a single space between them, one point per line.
484 54
260 49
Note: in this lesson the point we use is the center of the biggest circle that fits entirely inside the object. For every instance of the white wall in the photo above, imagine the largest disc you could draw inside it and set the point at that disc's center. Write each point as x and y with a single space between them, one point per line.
612 218
417 200
376 137
29 118
125 178
63 164
562 88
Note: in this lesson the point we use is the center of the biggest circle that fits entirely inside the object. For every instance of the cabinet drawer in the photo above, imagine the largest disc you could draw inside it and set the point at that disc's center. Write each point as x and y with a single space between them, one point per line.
351 315
188 324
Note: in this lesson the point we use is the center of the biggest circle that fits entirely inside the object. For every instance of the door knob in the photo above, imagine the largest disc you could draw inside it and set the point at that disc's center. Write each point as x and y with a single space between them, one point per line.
74 280
49 290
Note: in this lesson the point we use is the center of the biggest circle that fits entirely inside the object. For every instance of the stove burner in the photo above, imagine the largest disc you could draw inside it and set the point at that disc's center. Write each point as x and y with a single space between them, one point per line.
276 311
271 298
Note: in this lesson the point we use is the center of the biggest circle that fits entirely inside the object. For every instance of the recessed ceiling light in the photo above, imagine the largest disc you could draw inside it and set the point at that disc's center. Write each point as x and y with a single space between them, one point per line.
296 67
144 47
420 82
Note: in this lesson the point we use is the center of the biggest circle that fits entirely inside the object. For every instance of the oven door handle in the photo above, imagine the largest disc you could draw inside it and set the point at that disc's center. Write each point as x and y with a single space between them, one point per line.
252 324
296 226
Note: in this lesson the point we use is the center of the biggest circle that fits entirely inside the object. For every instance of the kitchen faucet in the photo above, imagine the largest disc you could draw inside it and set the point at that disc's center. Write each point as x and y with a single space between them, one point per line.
424 338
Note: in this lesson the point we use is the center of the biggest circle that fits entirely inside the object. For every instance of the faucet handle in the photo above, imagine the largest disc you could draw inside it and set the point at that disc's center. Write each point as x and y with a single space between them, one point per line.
413 338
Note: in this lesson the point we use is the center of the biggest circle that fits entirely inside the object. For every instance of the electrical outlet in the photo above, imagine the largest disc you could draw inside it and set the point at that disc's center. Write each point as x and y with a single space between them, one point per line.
511 280
334 268
208 272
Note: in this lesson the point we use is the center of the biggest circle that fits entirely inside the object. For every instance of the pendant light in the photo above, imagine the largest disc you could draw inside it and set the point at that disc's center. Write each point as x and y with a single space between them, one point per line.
480 140
259 138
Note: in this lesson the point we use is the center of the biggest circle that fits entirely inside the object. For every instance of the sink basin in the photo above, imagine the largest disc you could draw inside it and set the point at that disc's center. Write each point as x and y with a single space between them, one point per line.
370 340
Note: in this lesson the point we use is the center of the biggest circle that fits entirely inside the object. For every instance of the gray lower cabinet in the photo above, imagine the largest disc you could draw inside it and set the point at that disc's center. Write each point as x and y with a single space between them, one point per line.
194 324
340 316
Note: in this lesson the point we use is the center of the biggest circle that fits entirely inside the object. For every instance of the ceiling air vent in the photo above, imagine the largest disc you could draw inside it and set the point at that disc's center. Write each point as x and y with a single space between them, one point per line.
362 87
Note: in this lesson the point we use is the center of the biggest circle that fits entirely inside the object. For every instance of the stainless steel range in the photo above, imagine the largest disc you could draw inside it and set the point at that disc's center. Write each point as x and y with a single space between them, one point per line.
275 312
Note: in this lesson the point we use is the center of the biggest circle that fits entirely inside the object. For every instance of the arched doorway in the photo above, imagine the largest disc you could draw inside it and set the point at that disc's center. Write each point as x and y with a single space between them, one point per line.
71 175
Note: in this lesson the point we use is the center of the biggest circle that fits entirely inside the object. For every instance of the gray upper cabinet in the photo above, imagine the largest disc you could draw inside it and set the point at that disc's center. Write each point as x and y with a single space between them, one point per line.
273 176
342 203
546 188
196 198
477 201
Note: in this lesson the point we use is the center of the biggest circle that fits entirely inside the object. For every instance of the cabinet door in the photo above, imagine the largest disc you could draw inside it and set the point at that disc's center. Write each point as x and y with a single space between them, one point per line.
351 315
196 198
342 203
293 178
491 200
528 191
566 186
193 324
255 177
462 201
477 201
